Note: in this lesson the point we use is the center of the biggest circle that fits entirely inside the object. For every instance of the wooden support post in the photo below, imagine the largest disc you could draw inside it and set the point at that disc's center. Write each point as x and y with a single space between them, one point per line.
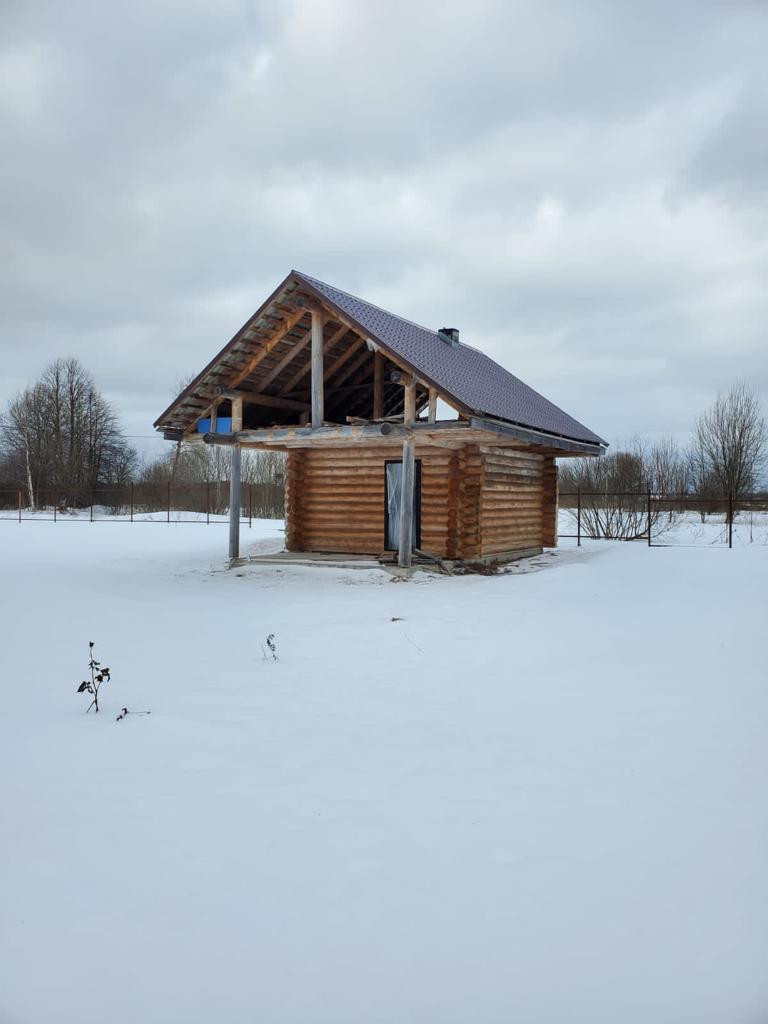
378 385
405 547
317 369
237 415
432 414
409 403
234 503
214 417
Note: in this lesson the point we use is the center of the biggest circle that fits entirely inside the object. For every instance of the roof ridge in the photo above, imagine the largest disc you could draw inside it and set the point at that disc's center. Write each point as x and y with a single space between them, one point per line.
366 302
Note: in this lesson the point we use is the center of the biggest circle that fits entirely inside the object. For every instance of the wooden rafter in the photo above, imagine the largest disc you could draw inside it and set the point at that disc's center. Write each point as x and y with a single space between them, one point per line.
346 371
288 358
264 351
328 345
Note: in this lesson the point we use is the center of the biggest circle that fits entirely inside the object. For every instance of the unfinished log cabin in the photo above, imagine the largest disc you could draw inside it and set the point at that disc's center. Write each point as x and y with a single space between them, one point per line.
351 394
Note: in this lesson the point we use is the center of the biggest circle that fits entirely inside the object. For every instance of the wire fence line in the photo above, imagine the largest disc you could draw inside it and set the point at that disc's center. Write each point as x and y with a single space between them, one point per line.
645 516
652 518
144 502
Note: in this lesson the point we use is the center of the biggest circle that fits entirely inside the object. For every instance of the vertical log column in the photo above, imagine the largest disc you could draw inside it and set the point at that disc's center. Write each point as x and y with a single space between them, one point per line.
405 546
432 414
294 489
378 386
409 402
234 482
318 395
550 504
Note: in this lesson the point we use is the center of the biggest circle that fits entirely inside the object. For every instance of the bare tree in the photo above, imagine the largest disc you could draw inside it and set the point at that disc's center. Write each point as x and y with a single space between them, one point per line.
731 443
61 435
614 489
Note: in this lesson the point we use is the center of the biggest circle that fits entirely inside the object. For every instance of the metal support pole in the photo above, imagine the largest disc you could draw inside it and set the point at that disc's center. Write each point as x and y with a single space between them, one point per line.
54 508
405 546
250 506
730 520
168 512
19 506
132 502
234 503
649 517
208 503
578 517
91 506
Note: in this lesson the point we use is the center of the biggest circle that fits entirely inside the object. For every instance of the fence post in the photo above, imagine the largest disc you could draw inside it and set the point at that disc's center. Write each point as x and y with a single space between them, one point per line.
131 502
19 506
207 502
578 517
730 519
54 508
250 506
649 517
168 512
91 506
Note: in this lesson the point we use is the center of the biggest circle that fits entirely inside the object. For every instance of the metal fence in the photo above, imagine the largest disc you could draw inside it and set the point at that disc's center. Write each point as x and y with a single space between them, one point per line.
144 502
653 518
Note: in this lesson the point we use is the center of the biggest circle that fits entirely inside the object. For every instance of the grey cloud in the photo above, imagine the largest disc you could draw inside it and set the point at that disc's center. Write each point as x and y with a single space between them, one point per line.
564 181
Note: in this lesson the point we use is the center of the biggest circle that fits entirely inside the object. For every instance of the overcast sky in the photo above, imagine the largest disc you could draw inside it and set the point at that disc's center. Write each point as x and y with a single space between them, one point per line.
579 187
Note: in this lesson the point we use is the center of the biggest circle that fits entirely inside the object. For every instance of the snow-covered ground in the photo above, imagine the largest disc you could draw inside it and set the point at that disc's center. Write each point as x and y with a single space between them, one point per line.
536 797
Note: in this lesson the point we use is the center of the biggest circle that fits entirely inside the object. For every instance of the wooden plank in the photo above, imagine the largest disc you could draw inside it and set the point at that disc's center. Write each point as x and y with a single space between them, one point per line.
432 413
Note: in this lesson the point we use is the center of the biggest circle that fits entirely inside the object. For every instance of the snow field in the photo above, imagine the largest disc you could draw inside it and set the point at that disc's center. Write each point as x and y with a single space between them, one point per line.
533 797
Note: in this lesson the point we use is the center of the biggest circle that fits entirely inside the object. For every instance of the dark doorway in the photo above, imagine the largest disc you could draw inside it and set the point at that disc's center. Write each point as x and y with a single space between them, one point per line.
394 472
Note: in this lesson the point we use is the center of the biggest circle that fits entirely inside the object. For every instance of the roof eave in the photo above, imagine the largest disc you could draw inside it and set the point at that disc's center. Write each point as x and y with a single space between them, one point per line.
532 436
292 276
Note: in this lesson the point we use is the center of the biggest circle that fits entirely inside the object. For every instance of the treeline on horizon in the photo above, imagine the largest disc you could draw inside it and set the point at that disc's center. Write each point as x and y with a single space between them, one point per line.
61 440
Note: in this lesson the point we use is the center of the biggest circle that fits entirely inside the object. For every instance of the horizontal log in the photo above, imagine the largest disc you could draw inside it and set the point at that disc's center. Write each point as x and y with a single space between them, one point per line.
324 501
511 455
509 540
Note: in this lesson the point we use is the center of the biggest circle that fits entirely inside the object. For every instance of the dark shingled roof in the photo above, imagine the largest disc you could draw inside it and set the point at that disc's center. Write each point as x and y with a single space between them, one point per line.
461 372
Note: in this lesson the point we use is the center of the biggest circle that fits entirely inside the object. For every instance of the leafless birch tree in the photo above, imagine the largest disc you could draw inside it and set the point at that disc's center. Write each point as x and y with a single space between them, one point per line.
731 442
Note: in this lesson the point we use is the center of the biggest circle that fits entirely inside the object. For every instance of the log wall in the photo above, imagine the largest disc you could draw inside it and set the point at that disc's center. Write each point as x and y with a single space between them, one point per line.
511 504
475 501
335 498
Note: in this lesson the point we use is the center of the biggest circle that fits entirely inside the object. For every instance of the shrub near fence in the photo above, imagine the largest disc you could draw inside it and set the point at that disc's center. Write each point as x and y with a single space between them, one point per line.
638 515
145 502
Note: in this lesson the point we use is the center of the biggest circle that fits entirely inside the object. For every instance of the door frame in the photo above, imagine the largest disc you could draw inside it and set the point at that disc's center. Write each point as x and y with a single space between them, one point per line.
416 502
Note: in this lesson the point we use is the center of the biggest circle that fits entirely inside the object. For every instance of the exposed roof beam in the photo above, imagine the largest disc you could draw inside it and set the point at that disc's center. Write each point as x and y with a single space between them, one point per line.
290 355
253 362
273 401
327 346
360 431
